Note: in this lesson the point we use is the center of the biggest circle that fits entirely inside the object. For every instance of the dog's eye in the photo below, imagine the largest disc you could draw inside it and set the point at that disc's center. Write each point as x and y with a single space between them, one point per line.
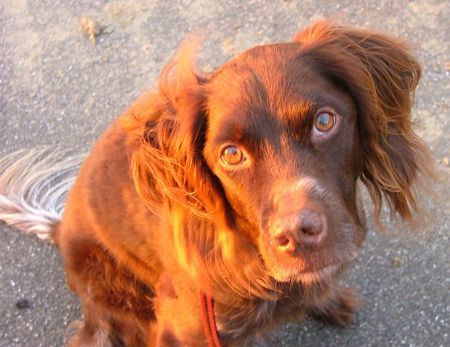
324 121
232 155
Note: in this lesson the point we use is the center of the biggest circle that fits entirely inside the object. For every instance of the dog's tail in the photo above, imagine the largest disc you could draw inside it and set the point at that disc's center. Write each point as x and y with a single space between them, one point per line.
33 188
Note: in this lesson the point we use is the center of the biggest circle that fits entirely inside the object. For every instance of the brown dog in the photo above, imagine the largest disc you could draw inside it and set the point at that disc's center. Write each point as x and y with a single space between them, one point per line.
235 189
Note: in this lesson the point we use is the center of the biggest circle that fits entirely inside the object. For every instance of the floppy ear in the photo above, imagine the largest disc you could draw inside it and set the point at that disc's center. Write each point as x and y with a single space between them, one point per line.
167 132
381 75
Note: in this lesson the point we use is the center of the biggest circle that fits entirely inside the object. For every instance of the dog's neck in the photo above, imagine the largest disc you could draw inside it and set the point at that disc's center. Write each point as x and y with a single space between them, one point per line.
255 317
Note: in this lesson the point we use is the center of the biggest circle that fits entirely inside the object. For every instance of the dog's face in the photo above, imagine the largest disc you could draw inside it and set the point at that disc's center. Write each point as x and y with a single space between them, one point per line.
268 149
283 141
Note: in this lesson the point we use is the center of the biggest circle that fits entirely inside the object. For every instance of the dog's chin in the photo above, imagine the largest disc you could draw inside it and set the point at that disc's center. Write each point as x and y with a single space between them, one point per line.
307 270
324 275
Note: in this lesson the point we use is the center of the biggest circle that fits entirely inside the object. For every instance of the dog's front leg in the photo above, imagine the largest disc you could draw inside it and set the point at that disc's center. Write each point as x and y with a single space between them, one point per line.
337 307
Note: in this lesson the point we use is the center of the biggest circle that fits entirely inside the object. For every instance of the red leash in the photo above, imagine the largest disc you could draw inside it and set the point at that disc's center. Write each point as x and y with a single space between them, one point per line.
209 320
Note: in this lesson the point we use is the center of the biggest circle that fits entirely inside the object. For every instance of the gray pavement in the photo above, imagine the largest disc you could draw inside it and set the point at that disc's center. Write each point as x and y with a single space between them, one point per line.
56 87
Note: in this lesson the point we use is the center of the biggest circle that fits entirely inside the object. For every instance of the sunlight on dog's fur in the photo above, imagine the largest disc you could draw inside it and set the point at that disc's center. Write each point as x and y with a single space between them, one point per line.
240 183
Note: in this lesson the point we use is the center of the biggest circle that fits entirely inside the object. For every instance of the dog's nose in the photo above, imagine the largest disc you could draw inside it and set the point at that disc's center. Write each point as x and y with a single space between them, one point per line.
306 230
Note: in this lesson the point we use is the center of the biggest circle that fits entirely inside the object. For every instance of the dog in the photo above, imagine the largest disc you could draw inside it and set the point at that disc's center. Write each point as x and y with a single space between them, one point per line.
226 203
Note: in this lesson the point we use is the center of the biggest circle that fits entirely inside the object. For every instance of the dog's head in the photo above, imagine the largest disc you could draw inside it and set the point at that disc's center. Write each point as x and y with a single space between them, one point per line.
269 148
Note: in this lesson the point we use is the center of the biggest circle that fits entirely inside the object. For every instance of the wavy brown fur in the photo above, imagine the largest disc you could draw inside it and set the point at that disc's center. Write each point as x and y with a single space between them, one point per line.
156 215
382 75
376 69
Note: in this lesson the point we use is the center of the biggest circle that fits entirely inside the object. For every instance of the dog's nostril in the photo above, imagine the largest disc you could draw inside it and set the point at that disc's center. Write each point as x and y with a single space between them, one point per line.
312 229
281 240
306 230
285 243
309 231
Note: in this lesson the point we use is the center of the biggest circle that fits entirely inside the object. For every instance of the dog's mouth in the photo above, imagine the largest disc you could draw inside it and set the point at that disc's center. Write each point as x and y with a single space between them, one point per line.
310 274
307 277
294 258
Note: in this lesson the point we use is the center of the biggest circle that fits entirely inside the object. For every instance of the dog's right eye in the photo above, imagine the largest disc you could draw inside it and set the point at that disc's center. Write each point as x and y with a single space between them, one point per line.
324 121
232 155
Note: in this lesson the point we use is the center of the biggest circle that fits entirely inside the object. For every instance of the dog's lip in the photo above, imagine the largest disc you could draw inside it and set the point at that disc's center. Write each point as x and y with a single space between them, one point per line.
311 276
322 273
307 276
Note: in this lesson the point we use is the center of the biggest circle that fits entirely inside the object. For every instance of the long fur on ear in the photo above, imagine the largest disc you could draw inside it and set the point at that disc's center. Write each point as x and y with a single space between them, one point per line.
166 127
167 134
381 75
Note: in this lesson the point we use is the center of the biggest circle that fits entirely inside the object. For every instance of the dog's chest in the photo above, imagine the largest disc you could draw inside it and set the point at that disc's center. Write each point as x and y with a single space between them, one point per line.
255 318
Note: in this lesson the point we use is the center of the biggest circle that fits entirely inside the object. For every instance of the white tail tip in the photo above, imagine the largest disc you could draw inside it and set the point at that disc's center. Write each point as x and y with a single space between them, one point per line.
33 188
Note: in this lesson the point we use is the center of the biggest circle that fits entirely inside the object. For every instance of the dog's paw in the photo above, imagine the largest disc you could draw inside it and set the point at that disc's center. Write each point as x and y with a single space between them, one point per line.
339 308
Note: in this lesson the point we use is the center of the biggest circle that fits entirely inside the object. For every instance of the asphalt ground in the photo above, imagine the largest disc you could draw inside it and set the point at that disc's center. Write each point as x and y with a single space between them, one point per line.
57 87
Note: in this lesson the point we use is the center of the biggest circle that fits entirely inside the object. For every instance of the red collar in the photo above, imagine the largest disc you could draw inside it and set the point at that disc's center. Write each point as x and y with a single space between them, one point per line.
209 320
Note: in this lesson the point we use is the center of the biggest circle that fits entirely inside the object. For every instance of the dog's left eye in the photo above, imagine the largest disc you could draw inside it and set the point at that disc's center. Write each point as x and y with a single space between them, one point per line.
232 155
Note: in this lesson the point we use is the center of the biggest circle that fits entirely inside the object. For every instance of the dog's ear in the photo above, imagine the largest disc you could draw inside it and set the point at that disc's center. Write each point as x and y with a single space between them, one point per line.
381 75
167 129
